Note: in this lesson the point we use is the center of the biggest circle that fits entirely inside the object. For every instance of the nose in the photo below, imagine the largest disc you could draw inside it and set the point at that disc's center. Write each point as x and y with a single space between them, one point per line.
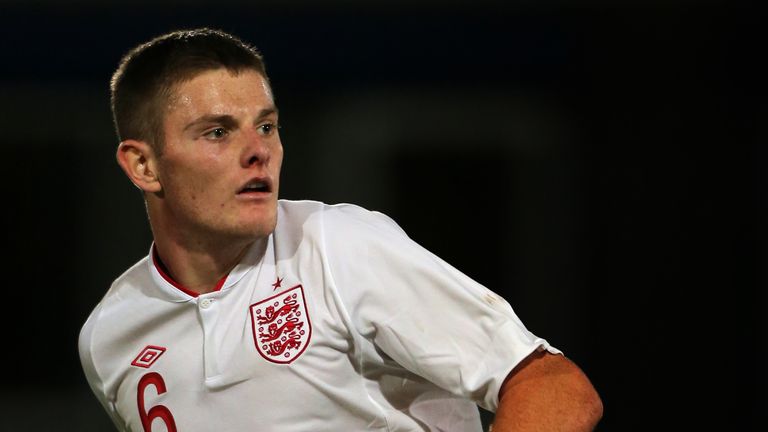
256 151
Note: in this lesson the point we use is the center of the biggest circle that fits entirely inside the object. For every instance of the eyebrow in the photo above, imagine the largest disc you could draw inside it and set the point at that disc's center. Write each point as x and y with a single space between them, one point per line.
226 119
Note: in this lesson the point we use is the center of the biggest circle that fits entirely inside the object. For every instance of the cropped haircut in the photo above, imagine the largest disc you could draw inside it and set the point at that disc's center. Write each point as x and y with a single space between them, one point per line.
148 74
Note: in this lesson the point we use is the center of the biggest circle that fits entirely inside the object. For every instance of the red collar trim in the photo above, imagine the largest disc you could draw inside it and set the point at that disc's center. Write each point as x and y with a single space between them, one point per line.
163 270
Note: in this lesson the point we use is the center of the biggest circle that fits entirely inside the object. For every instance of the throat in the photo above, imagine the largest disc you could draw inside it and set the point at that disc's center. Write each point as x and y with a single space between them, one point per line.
193 282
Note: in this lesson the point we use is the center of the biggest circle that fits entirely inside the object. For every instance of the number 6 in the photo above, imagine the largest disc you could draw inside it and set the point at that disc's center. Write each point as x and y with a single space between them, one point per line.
156 411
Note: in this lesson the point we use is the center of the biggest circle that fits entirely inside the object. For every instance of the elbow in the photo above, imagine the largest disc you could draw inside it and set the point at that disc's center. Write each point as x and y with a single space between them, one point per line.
548 392
591 409
596 411
586 408
588 404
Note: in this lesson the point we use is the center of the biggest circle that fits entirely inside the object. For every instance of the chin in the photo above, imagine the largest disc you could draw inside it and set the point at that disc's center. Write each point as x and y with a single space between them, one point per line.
262 227
251 223
247 234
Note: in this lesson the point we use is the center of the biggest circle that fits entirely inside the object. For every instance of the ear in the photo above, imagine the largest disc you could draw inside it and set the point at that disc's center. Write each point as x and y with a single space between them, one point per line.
137 159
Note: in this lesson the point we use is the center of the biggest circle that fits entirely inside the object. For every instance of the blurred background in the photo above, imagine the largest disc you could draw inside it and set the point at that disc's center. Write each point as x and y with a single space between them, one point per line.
602 166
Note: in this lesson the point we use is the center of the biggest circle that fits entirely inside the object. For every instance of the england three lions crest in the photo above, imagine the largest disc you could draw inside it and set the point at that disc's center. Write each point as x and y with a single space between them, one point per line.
281 326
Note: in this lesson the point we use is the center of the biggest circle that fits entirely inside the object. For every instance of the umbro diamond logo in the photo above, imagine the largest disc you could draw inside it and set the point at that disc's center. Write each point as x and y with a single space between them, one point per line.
148 356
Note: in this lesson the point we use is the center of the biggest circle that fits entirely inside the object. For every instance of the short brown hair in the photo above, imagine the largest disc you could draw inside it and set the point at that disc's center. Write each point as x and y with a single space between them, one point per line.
148 74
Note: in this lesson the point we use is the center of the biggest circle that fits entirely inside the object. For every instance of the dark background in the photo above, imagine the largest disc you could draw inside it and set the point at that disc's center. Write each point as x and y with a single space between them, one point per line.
601 166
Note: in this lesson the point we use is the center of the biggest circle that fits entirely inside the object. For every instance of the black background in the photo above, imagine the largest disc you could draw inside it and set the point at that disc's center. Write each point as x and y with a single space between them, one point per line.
600 166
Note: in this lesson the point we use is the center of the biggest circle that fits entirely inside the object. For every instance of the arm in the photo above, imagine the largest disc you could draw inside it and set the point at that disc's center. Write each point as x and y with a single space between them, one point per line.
547 392
95 382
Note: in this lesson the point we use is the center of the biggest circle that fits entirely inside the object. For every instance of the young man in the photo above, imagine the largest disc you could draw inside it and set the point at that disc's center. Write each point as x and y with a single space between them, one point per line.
251 313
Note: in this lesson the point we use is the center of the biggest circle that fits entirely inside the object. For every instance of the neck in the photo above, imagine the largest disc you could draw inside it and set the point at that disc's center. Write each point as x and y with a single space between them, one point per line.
195 257
199 271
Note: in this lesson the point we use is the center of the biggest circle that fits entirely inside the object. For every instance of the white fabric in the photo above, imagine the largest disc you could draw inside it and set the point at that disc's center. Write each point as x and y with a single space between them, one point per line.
400 340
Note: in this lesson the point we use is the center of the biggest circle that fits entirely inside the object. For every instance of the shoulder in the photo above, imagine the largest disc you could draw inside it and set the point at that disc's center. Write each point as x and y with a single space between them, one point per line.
343 218
129 283
125 286
108 315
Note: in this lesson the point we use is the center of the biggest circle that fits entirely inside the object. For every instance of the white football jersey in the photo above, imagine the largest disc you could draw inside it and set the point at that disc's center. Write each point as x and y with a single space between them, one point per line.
335 322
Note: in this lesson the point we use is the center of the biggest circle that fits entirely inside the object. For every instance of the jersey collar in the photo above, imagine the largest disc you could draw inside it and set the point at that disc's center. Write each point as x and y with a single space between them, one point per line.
178 292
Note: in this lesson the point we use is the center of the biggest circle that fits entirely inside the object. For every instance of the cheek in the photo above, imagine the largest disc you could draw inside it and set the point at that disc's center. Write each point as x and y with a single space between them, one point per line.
196 188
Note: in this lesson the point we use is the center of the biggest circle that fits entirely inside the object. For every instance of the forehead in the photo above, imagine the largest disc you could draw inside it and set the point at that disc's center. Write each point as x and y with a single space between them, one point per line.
220 91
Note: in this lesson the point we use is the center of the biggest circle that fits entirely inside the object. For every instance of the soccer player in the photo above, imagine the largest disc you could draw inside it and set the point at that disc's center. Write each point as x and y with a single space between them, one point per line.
251 313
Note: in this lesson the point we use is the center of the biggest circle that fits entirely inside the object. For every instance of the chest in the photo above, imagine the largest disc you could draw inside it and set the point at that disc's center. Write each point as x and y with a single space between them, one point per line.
270 350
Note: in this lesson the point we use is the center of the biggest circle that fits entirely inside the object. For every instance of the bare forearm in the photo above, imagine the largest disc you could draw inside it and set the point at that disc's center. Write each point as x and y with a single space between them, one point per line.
547 393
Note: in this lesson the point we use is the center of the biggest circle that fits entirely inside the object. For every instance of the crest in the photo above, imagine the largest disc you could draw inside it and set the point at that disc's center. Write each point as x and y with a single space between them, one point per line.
281 326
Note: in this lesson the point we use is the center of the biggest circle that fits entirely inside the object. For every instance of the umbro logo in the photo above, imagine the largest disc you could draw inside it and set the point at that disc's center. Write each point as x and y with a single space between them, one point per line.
148 356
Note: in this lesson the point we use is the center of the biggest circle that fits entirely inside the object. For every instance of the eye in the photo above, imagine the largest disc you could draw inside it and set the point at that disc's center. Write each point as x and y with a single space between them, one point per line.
268 129
216 134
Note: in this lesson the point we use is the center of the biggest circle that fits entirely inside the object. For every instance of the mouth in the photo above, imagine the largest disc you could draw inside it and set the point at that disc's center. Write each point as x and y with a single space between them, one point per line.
256 187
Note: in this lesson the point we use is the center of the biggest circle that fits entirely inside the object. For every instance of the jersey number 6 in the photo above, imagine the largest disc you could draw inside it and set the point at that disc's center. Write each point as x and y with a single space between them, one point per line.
156 411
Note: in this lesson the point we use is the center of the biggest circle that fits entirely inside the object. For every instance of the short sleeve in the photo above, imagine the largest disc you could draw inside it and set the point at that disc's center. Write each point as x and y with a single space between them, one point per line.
425 314
89 369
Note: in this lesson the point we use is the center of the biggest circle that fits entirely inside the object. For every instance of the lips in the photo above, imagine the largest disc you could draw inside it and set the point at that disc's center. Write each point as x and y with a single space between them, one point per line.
256 186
